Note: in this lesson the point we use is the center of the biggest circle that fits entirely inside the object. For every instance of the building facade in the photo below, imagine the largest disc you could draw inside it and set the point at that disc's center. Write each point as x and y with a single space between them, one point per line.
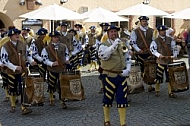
10 10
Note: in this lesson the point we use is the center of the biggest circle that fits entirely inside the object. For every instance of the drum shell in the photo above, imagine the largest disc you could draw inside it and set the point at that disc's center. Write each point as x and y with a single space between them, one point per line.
178 76
34 90
134 81
149 71
71 86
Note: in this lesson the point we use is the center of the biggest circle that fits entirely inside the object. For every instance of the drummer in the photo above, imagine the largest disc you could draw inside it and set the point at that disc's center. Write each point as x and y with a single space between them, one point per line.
141 43
13 56
36 48
55 56
162 47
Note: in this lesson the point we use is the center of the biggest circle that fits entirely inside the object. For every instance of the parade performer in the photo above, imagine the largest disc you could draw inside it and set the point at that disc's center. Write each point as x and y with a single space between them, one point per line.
55 56
65 37
81 32
162 47
141 37
36 48
25 36
92 47
77 53
14 55
116 66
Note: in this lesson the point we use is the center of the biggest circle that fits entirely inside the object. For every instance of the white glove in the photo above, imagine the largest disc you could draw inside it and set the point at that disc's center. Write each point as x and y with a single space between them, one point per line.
125 72
116 42
83 46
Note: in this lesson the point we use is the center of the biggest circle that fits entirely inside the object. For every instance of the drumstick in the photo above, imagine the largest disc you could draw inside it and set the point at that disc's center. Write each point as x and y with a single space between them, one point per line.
56 49
19 57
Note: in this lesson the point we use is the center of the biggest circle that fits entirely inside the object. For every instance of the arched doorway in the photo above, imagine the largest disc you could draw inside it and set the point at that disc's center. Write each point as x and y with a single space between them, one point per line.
5 21
1 24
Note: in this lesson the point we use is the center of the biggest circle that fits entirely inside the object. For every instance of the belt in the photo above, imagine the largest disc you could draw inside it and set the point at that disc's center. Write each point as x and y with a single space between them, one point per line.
116 72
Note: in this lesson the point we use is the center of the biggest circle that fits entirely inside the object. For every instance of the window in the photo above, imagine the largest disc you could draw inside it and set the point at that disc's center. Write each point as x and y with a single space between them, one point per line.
167 21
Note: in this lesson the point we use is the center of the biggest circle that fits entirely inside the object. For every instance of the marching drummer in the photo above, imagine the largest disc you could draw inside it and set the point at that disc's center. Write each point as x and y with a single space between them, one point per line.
162 47
66 37
141 37
116 66
92 47
36 48
77 52
55 56
14 55
26 37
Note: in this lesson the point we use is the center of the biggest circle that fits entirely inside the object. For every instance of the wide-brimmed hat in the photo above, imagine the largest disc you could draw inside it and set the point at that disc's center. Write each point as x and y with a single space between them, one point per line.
78 25
26 28
143 18
92 27
104 24
54 33
13 31
72 30
113 27
42 31
162 28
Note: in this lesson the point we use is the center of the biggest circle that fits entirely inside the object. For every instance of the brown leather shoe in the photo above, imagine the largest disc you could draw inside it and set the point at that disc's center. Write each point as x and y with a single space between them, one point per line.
51 103
63 105
26 111
107 123
124 125
12 110
157 94
150 89
172 95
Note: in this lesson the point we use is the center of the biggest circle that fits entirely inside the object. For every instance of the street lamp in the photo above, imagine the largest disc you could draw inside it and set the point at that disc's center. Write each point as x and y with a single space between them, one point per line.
146 2
63 1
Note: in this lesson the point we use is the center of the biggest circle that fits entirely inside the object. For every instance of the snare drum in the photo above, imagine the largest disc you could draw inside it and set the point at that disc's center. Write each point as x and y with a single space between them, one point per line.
135 82
178 76
71 86
149 71
33 91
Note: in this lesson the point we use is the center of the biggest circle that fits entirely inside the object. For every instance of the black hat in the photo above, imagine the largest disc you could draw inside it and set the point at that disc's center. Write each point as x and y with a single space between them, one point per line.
162 28
104 24
64 24
92 27
143 18
13 31
26 28
42 31
72 30
54 33
78 25
113 27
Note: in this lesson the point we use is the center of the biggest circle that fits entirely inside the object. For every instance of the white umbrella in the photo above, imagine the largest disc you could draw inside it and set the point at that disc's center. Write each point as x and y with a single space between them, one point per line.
102 15
53 12
142 9
182 14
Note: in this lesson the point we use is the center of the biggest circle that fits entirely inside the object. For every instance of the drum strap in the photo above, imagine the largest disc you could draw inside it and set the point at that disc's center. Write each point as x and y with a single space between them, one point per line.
144 41
166 48
53 52
16 53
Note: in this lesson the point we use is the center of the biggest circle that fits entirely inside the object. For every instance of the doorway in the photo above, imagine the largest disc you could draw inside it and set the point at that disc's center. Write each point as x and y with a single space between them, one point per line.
1 24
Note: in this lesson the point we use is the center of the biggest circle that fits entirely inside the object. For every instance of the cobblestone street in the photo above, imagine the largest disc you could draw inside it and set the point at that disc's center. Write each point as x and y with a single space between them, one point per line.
145 109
